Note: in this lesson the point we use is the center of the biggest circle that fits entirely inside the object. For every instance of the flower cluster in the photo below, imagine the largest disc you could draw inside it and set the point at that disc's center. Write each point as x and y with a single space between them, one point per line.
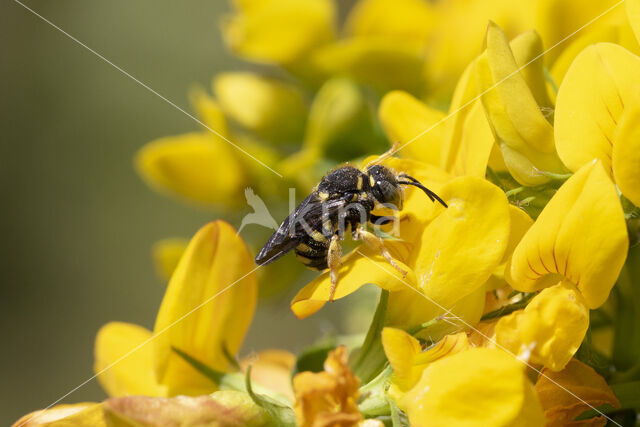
520 305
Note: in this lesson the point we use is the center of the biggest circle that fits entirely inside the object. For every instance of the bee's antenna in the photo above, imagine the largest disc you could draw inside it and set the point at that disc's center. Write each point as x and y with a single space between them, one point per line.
412 181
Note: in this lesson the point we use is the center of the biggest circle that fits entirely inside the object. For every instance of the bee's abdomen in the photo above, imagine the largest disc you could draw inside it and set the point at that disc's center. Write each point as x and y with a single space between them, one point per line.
312 251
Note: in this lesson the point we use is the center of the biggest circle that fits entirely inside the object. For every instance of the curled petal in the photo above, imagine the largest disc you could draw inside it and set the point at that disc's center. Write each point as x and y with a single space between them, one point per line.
199 167
477 387
580 235
280 31
404 118
600 84
123 360
401 350
206 310
566 394
626 154
271 108
511 100
549 330
407 359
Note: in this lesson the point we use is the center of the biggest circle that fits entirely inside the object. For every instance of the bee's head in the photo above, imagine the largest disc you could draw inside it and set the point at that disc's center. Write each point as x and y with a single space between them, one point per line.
385 186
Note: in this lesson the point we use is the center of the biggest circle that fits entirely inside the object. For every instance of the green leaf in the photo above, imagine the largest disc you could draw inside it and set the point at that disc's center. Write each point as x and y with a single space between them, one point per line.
627 394
367 361
312 358
602 409
373 400
282 415
224 380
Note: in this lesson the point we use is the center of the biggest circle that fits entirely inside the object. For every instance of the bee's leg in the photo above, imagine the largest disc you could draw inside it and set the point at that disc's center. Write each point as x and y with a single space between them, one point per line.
376 243
333 261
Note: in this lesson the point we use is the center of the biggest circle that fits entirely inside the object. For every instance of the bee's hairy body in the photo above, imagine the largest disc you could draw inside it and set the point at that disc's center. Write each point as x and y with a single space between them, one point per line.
341 203
346 183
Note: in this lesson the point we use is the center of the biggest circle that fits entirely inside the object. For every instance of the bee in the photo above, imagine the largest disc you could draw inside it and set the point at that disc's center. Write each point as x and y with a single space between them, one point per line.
341 204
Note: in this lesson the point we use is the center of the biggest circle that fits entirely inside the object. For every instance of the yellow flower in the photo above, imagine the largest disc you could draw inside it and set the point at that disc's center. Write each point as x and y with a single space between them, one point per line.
477 387
580 235
204 167
549 330
584 385
449 253
407 359
279 31
514 102
76 415
205 312
328 398
579 239
597 114
271 108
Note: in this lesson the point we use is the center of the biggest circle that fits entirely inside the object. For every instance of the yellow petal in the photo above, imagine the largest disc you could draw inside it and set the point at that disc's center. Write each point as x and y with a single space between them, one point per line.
520 224
209 111
124 360
166 253
272 369
381 62
633 13
524 134
404 118
407 359
401 350
206 310
550 329
271 108
468 138
563 394
477 387
559 19
337 106
626 154
462 246
281 31
199 167
600 84
407 20
356 271
581 235
85 414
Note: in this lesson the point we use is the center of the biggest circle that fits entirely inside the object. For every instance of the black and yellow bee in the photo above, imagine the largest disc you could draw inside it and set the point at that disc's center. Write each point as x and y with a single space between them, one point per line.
341 203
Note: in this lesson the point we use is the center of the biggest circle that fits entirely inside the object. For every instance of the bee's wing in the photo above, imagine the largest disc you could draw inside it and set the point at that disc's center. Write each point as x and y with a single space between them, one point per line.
291 231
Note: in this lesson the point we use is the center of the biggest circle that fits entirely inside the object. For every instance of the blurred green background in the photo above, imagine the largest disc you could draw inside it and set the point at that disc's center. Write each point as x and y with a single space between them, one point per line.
77 222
